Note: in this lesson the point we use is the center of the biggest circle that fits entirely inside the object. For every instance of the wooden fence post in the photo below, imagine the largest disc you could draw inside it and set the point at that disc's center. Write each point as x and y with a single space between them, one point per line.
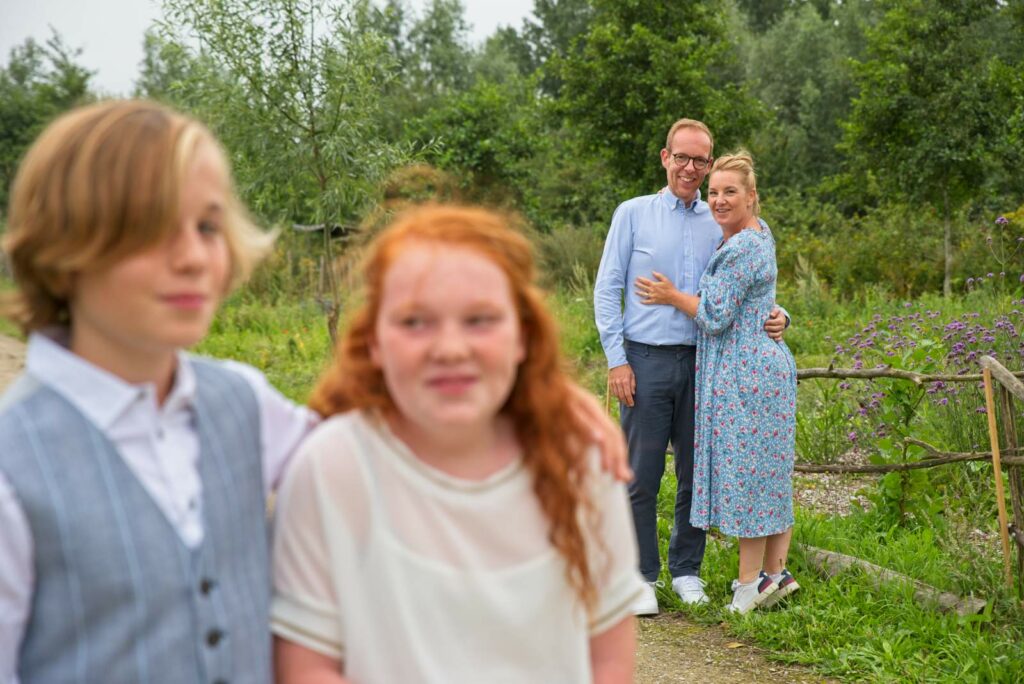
993 434
1014 475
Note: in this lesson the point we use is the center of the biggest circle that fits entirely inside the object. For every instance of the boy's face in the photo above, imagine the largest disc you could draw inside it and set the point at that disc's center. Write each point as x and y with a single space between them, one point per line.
152 303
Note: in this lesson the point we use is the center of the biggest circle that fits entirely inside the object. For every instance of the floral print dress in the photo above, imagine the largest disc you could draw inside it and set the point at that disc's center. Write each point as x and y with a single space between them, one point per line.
746 396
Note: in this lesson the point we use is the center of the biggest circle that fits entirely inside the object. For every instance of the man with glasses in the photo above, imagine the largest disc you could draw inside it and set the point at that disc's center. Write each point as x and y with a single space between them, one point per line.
651 349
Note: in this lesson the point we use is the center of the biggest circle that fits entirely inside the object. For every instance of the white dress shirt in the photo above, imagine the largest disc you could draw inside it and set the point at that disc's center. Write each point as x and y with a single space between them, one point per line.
158 443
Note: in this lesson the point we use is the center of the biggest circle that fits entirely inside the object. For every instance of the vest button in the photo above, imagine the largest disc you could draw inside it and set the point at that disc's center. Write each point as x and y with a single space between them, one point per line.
205 586
213 637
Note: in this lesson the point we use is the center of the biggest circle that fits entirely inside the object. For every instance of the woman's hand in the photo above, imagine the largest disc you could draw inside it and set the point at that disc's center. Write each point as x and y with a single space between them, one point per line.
661 290
657 291
776 324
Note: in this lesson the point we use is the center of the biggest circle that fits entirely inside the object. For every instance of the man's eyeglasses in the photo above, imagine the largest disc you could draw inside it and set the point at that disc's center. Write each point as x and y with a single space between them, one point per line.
699 163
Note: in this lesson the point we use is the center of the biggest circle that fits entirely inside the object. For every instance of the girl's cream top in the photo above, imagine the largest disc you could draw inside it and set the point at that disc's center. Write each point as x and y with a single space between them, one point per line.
408 574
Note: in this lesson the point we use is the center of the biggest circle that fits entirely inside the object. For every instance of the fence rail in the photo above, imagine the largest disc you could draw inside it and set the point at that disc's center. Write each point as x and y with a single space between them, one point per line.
899 374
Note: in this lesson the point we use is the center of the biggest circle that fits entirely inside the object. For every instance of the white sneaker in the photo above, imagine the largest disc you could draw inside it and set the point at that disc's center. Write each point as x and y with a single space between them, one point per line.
690 589
746 597
647 603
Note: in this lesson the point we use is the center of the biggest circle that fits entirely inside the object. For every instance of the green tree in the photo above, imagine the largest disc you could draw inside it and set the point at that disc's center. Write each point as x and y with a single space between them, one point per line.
439 63
560 29
483 133
800 69
293 88
37 83
763 14
166 70
923 123
644 64
1005 85
431 56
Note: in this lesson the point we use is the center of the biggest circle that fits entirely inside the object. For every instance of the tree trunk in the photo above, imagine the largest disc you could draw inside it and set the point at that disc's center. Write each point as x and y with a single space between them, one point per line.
947 246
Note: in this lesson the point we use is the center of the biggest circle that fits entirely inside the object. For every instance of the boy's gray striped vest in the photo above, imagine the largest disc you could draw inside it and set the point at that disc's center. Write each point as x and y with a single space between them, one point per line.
118 597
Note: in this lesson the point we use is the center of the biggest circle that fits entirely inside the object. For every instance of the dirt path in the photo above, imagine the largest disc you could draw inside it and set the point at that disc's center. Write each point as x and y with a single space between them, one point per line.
670 650
673 650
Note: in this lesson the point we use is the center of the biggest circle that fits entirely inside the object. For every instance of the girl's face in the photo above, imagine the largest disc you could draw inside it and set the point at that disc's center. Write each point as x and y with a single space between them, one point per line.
447 337
154 302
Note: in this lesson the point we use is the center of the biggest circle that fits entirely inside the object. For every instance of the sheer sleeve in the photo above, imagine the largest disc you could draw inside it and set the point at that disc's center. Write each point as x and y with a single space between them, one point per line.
305 609
612 553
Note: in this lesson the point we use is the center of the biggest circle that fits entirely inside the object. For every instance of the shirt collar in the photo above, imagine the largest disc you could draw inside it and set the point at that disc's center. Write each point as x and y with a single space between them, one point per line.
699 206
99 395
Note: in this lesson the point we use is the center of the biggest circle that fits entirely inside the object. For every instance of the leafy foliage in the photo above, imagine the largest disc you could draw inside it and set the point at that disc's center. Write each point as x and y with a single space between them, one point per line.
37 83
799 68
923 119
292 87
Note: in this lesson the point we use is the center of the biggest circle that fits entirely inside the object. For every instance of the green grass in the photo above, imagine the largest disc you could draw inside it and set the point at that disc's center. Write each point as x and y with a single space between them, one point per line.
847 627
288 342
9 329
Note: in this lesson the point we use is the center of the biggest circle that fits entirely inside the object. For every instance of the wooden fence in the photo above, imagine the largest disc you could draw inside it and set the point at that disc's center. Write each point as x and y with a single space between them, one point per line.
1001 387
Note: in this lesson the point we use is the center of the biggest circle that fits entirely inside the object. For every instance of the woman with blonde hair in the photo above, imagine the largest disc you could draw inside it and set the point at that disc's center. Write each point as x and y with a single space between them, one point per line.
449 522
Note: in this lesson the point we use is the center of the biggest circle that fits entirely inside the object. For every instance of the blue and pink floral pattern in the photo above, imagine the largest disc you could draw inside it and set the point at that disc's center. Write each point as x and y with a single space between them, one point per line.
746 396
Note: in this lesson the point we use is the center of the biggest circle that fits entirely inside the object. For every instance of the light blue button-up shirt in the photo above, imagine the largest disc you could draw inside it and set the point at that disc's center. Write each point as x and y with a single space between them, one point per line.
651 233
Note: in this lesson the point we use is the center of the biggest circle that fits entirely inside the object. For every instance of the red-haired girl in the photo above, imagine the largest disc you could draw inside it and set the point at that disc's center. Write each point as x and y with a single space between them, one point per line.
450 521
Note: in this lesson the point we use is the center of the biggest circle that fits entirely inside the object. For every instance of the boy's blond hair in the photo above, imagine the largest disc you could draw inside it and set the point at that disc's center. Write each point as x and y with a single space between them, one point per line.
101 183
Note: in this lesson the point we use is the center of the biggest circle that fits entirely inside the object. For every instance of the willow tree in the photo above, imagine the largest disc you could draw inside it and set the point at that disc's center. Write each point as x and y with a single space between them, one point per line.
293 88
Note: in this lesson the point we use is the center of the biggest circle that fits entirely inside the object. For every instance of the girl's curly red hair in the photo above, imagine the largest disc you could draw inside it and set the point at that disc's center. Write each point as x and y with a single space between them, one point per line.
552 441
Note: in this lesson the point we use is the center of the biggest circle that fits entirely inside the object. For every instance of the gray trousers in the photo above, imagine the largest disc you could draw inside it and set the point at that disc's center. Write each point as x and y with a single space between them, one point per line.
662 412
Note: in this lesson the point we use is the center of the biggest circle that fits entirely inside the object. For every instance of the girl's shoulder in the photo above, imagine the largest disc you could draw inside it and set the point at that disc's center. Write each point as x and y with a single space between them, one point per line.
342 435
328 463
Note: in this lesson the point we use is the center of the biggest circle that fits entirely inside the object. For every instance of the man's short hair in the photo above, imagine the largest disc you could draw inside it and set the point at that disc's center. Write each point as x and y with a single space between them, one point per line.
688 123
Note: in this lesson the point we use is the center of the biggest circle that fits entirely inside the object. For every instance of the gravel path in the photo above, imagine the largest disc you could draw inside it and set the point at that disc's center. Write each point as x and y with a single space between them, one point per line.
670 649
